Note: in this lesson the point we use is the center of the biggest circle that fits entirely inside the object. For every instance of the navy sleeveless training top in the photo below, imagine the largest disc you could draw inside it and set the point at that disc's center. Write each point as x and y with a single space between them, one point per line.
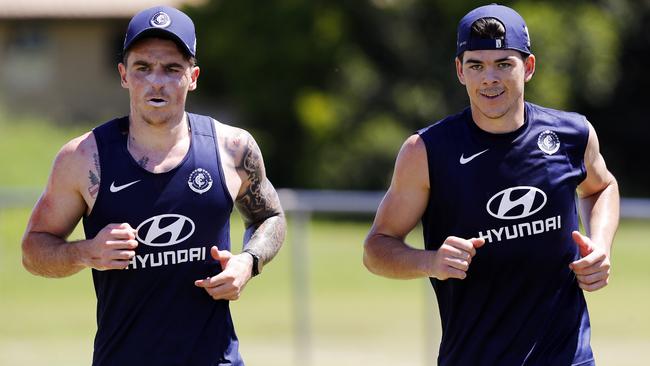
152 313
520 304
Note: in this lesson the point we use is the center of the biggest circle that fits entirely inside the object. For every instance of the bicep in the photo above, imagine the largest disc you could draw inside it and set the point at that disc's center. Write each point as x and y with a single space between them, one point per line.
399 212
257 198
406 199
598 176
61 205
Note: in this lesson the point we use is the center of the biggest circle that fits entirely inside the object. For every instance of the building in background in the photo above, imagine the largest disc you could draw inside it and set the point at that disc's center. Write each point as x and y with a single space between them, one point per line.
58 59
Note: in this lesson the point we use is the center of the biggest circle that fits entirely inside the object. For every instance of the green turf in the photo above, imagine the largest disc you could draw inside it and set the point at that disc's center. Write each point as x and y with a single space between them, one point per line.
355 317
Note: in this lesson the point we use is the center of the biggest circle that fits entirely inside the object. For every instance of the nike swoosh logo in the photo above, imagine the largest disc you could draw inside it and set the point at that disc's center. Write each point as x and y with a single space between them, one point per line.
115 188
465 160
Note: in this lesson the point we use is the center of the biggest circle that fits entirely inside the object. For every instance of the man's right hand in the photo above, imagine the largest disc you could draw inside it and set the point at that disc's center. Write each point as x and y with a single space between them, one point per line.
112 248
454 256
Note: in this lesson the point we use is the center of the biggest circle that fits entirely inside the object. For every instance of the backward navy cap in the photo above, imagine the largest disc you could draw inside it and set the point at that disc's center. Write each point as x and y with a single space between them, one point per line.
162 20
516 37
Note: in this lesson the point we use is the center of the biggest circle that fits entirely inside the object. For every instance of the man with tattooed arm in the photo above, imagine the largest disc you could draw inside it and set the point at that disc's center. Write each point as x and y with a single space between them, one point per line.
155 191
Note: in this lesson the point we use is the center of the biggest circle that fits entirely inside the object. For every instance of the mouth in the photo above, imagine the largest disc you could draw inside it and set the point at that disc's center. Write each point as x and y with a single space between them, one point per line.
157 102
492 93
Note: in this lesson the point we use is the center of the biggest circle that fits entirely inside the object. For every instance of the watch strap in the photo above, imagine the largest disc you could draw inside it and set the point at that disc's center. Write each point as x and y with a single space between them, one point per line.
255 269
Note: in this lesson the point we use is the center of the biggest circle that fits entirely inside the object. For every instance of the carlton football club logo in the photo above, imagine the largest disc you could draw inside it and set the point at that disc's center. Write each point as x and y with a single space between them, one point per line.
200 181
548 142
160 20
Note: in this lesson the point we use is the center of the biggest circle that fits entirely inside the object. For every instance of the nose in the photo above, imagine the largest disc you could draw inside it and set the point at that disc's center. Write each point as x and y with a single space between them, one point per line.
156 79
490 76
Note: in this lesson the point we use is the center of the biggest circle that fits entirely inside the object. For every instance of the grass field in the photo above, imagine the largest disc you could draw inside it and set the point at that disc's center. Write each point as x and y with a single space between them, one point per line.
355 318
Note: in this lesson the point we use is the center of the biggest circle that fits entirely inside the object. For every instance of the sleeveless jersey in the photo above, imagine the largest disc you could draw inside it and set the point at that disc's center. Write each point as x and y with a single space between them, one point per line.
520 304
152 313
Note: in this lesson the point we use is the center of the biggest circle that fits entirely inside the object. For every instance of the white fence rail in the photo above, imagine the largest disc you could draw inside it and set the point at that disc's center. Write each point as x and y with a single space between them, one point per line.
314 201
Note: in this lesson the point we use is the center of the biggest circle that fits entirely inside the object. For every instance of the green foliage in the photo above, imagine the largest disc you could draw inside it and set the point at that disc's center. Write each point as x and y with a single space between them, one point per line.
577 47
311 78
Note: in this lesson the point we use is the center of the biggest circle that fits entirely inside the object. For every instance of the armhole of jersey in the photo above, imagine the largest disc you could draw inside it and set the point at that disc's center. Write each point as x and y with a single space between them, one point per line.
583 149
220 167
426 213
429 157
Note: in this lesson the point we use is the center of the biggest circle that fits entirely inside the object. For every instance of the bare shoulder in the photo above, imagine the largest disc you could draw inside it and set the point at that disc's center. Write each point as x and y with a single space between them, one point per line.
408 194
241 149
66 197
598 176
76 156
234 140
412 163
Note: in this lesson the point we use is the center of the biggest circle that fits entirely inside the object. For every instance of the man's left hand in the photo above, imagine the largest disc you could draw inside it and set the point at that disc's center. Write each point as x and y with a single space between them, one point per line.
236 271
592 269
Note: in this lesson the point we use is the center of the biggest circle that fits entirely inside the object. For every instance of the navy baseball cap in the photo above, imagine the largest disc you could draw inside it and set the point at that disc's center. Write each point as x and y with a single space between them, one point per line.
164 21
516 37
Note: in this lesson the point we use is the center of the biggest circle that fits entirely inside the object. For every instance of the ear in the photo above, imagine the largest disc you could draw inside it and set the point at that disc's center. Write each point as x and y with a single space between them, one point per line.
194 77
529 67
459 71
121 68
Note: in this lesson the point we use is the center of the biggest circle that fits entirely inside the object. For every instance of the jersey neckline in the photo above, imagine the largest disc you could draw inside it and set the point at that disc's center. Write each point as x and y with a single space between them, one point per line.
125 149
489 138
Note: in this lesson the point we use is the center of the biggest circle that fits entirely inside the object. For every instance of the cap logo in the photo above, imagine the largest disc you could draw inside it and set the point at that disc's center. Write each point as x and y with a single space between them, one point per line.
160 20
498 43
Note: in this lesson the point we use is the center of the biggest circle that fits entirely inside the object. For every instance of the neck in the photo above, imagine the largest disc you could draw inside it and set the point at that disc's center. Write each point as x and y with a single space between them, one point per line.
510 121
150 135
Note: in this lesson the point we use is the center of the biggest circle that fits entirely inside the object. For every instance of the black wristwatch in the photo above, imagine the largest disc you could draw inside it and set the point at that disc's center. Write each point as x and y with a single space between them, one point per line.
255 270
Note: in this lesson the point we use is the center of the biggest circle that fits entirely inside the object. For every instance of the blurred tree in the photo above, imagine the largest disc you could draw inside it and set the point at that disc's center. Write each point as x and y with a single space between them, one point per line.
332 88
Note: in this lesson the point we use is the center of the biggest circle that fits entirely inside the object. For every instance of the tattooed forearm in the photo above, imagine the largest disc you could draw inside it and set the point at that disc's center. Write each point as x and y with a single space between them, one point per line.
266 239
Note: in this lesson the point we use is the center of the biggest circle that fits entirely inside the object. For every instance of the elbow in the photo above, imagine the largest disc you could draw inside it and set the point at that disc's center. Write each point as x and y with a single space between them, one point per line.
28 266
370 255
26 257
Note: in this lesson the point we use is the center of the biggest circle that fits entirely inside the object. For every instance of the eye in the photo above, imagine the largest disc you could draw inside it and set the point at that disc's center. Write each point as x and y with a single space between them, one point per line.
173 70
504 65
476 67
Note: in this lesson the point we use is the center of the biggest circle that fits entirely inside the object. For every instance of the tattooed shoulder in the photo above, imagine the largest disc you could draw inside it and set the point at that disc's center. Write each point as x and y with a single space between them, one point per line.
235 142
93 188
96 161
93 178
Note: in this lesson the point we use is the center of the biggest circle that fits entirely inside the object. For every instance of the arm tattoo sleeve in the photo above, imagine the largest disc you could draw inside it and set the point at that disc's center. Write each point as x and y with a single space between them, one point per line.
259 206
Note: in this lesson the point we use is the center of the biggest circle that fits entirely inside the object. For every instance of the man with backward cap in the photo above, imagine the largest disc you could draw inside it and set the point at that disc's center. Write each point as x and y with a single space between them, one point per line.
155 190
495 188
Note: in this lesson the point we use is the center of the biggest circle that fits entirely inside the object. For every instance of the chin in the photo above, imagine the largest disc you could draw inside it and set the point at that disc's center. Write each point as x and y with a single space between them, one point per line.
156 118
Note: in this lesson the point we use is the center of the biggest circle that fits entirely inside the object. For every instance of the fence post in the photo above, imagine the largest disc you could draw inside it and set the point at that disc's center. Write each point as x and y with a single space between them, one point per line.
300 278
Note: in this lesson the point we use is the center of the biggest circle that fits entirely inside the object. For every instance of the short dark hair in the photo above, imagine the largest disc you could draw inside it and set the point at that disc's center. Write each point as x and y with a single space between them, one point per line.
489 28
188 57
